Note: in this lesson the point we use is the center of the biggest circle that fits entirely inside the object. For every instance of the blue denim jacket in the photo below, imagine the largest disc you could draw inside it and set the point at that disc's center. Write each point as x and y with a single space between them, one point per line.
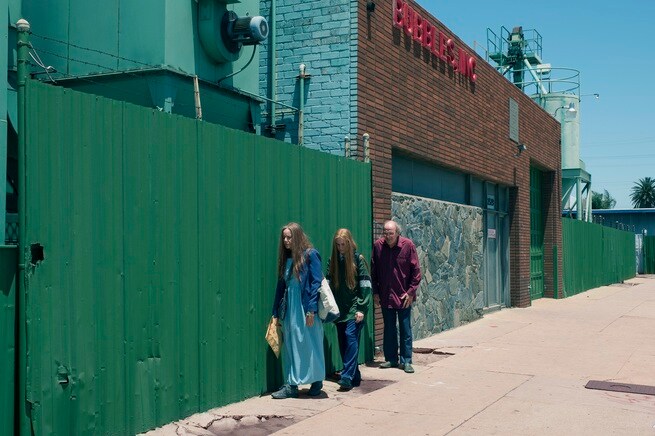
311 275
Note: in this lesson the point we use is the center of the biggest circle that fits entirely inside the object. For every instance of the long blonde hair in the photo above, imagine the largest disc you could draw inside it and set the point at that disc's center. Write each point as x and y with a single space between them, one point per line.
299 244
351 270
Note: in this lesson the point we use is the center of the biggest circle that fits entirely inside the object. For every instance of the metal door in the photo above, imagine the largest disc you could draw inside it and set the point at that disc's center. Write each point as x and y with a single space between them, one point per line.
495 237
536 236
492 263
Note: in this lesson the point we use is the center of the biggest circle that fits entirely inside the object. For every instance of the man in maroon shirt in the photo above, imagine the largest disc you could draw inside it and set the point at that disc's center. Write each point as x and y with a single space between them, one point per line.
396 274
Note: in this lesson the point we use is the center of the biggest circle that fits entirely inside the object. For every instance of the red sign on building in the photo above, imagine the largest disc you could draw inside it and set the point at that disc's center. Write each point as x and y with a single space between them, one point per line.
440 45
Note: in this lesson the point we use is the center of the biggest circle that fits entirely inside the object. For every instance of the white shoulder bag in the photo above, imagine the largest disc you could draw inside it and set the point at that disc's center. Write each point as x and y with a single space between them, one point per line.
328 310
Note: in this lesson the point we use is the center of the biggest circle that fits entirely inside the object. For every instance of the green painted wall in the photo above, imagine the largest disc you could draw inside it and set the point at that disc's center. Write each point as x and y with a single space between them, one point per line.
595 255
8 267
160 240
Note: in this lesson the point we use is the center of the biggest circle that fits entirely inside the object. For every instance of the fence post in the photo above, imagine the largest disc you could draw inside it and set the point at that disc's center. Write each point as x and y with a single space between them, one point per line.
301 112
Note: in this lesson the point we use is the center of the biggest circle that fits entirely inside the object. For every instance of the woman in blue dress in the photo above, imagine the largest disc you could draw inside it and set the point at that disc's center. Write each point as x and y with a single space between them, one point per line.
295 309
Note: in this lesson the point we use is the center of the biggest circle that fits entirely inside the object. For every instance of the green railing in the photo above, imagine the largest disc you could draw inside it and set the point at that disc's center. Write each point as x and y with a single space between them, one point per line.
159 238
595 255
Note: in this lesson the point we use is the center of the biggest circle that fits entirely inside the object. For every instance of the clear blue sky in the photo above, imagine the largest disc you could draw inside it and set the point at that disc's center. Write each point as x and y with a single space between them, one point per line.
612 44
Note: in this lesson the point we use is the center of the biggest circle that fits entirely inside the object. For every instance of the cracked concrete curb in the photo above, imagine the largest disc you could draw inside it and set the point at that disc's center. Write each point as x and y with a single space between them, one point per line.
211 424
264 415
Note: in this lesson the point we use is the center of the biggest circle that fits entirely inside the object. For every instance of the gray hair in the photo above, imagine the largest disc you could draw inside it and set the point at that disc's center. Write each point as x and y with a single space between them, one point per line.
399 229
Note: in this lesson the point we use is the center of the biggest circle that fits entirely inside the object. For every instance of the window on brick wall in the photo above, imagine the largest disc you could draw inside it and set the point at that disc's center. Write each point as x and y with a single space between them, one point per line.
415 177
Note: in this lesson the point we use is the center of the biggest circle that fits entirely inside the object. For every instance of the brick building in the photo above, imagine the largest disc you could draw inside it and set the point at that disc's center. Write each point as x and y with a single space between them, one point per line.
467 162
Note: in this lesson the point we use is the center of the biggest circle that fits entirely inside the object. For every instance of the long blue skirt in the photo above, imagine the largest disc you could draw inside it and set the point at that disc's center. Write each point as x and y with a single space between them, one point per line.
303 360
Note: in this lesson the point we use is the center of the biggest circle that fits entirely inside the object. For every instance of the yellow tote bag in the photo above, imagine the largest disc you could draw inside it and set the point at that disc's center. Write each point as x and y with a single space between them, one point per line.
274 337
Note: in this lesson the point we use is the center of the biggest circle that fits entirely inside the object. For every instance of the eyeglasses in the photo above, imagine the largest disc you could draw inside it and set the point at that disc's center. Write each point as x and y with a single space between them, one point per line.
389 232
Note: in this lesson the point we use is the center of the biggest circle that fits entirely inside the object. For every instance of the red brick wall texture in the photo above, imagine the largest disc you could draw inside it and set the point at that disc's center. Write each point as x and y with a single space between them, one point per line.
410 101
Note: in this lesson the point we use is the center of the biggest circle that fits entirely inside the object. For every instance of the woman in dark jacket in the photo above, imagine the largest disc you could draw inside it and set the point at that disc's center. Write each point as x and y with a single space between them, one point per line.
295 309
351 284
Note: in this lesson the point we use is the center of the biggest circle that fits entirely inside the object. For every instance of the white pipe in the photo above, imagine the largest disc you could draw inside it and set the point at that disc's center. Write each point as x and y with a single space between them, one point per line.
196 98
534 76
301 131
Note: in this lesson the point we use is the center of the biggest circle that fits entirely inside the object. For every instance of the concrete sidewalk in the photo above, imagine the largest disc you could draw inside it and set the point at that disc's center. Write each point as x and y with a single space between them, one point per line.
516 371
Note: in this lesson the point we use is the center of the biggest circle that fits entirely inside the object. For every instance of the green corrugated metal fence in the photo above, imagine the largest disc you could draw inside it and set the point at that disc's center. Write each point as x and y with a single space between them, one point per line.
649 254
8 372
160 238
595 255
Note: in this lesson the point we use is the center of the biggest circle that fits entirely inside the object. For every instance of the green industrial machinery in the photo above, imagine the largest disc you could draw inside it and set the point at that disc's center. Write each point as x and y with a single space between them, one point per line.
198 59
517 55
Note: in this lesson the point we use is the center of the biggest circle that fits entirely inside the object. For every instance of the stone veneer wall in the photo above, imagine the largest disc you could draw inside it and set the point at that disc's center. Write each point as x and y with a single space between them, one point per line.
449 242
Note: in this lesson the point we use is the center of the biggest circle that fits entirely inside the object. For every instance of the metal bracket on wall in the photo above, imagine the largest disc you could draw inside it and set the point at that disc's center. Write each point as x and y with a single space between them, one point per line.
273 128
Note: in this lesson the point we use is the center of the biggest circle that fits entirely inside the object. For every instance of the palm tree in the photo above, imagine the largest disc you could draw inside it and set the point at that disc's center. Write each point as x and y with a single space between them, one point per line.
643 193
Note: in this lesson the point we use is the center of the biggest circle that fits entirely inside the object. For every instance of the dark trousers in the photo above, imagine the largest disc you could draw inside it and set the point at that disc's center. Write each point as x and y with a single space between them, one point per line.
348 334
390 336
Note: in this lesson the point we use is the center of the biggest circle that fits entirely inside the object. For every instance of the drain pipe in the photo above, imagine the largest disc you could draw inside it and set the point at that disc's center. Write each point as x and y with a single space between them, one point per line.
22 69
301 77
346 146
367 150
273 69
